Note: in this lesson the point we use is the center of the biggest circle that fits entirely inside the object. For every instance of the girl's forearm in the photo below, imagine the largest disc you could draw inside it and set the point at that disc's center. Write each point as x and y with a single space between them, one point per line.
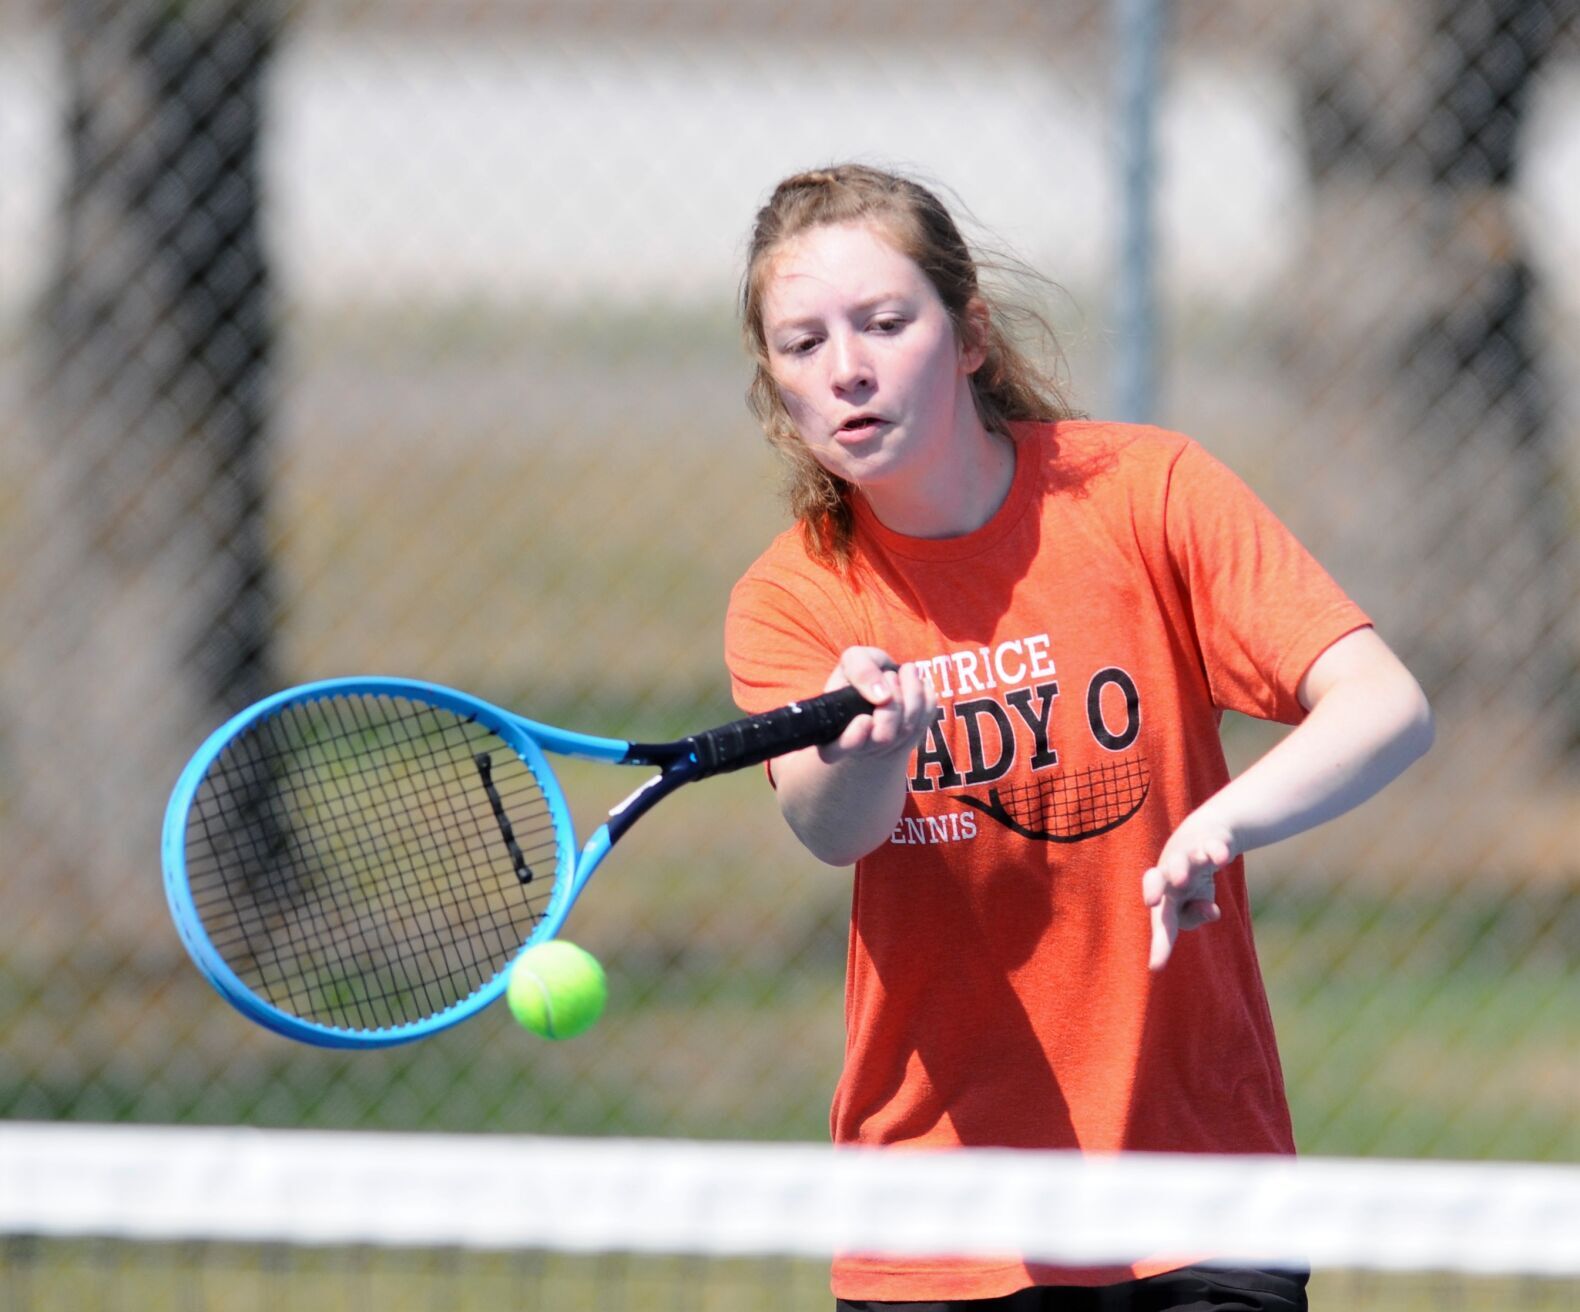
1361 734
843 799
1367 720
843 809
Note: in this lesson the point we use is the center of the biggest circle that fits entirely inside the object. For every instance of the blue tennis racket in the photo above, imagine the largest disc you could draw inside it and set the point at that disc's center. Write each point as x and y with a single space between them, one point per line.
356 862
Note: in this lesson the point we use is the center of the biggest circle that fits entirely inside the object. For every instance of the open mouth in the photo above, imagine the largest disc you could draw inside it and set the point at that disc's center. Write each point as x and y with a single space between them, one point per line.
860 424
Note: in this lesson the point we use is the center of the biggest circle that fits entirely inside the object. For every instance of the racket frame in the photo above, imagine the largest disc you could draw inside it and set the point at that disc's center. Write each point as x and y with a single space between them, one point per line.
678 763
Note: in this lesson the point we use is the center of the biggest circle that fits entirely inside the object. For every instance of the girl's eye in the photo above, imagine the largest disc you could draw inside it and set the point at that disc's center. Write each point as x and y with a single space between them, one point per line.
888 324
800 346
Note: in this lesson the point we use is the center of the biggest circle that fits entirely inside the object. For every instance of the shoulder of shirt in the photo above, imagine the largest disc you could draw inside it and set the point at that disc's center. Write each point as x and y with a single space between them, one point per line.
785 563
1081 452
1095 436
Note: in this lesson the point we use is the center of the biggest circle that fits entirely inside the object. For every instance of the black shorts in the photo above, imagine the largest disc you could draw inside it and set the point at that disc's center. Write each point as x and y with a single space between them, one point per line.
1191 1289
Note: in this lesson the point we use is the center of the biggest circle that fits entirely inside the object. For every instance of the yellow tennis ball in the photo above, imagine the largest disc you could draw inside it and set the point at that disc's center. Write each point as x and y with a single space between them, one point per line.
557 989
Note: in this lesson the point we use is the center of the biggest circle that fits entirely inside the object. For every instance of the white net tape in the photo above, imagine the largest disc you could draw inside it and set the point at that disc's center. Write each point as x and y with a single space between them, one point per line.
722 1199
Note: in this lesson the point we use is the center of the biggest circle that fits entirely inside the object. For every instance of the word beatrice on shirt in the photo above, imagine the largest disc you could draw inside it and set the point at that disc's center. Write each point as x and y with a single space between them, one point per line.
1011 726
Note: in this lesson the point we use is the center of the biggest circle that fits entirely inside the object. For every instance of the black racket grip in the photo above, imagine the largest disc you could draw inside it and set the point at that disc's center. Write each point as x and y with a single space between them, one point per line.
759 738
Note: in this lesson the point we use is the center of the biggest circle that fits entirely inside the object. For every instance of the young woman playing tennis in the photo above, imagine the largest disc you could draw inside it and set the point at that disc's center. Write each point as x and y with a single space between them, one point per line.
1051 615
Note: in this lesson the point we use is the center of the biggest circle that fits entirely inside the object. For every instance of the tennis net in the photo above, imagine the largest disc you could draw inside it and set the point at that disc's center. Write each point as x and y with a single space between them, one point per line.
142 1217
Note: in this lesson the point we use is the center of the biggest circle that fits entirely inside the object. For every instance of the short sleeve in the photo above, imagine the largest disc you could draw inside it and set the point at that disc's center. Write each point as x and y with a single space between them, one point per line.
1264 609
782 637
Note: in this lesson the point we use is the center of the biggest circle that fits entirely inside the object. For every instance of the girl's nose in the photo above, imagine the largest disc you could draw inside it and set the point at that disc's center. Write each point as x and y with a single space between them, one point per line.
852 370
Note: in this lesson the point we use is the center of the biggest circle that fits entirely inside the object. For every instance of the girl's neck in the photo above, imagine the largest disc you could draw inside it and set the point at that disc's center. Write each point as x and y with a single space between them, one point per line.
950 500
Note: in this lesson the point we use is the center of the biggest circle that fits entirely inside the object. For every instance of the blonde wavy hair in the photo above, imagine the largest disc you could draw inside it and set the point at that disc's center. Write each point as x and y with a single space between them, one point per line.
1008 387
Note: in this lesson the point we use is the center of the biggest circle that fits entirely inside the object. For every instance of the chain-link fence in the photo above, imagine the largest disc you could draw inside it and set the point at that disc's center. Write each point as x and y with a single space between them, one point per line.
395 336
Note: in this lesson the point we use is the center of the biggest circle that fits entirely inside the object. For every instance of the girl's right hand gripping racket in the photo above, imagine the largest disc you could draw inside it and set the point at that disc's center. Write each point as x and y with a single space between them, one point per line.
356 862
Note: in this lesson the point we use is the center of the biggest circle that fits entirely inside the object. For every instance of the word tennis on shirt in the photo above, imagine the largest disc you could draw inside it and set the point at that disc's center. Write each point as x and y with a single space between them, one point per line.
951 827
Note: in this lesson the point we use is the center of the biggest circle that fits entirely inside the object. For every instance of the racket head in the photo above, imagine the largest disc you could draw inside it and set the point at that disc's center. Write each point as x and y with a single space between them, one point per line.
337 868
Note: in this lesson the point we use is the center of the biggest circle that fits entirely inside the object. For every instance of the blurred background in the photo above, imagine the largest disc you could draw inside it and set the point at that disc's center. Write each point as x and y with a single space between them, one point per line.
396 336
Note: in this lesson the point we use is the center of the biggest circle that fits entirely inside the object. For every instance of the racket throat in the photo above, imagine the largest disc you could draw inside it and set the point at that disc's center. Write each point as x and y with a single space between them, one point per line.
627 812
518 860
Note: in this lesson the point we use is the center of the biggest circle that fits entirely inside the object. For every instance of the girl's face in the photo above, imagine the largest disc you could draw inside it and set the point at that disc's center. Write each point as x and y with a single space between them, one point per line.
866 358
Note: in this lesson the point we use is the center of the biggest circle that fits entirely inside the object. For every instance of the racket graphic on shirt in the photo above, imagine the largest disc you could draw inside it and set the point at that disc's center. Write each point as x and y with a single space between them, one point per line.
1070 806
356 862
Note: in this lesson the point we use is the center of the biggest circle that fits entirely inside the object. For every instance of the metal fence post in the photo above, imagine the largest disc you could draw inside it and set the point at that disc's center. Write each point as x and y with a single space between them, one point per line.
1138 37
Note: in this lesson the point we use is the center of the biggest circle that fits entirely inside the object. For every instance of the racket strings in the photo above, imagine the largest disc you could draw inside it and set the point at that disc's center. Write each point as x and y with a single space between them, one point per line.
332 842
397 926
457 829
273 880
1068 806
349 866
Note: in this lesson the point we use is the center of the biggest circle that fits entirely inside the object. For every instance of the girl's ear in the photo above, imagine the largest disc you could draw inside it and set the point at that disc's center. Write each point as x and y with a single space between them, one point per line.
975 331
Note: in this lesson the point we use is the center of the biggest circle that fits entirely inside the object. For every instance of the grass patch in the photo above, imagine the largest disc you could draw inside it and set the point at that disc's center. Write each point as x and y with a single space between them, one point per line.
1440 1026
1436 1025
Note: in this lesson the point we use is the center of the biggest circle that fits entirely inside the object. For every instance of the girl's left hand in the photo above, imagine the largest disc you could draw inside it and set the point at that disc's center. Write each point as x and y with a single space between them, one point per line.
1179 889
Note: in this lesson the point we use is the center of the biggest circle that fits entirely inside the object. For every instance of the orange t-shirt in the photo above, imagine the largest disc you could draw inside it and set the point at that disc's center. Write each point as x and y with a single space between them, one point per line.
1083 644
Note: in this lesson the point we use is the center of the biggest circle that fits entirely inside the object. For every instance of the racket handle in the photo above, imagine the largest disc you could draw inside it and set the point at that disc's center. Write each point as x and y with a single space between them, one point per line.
759 738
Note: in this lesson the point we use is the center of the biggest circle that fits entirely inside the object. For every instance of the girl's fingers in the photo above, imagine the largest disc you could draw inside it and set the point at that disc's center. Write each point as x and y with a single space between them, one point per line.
1193 915
1165 929
903 702
916 695
1181 894
879 680
1152 884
